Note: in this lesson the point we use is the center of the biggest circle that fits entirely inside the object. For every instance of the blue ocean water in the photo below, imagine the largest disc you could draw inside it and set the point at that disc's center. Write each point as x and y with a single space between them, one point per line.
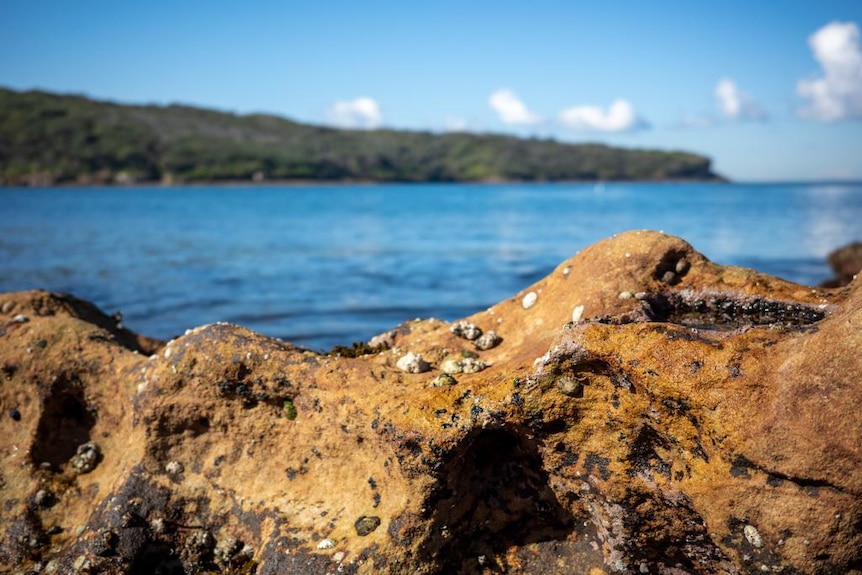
326 265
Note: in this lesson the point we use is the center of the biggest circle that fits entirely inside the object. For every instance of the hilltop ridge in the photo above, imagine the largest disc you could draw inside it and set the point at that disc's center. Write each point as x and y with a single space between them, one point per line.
48 139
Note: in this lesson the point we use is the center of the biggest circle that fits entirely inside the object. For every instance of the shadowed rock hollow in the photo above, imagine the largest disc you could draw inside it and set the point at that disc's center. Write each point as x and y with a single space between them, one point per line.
641 410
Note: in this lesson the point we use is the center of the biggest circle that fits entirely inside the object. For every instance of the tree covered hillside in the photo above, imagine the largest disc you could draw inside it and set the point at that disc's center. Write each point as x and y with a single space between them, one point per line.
47 138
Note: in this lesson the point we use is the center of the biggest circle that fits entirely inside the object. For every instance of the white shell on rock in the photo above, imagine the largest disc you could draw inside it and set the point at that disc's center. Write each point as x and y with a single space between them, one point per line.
326 544
464 365
577 313
412 363
451 366
753 536
489 340
529 300
466 330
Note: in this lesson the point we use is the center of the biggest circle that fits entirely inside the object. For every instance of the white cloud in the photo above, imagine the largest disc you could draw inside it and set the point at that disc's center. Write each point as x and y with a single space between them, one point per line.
358 113
511 109
837 95
619 117
736 104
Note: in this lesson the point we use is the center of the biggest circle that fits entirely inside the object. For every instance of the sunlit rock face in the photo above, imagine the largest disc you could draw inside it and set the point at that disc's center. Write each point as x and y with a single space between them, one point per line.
642 410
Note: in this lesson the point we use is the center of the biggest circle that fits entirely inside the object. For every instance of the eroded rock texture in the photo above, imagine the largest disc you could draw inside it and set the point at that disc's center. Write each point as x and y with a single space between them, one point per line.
640 410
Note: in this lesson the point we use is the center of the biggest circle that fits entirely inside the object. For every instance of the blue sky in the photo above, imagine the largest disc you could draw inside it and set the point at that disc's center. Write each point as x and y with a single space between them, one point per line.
770 90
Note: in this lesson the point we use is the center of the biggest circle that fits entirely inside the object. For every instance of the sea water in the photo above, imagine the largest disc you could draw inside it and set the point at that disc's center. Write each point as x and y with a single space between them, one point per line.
327 265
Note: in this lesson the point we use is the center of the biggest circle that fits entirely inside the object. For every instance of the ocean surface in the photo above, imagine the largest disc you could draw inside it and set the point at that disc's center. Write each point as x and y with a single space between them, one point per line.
327 265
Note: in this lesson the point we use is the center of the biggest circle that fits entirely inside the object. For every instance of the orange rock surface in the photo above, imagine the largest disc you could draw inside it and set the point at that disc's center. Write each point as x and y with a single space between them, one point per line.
646 411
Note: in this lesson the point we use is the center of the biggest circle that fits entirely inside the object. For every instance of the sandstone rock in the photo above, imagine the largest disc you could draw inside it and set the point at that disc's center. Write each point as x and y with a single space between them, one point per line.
846 262
710 426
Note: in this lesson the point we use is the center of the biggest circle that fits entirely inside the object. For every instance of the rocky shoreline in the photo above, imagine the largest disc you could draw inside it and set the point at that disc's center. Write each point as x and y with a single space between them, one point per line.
639 410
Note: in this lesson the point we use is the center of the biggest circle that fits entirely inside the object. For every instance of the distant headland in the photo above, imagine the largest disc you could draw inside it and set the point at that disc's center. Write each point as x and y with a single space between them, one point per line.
53 139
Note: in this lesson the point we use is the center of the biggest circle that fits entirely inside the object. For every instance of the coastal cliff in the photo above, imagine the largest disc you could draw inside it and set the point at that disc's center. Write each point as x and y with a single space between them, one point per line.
639 410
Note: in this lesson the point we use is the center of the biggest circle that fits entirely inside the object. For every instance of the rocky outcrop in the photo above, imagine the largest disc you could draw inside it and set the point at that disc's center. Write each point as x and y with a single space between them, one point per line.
640 410
846 262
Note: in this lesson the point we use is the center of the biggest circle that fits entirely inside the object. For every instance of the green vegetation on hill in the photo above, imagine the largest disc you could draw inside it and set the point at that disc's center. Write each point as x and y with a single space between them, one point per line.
48 138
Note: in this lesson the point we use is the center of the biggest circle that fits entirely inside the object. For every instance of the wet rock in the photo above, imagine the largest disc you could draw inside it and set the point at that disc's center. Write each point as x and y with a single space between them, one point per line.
710 426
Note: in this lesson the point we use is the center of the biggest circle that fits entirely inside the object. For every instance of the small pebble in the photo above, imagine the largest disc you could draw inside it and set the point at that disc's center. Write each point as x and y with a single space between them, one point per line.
753 536
566 271
668 277
488 340
682 266
626 295
338 557
641 295
366 524
8 306
412 363
529 300
20 318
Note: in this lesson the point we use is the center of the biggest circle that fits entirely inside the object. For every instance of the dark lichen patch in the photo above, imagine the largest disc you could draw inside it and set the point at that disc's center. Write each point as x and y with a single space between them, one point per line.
774 481
699 451
357 349
594 461
643 457
740 467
